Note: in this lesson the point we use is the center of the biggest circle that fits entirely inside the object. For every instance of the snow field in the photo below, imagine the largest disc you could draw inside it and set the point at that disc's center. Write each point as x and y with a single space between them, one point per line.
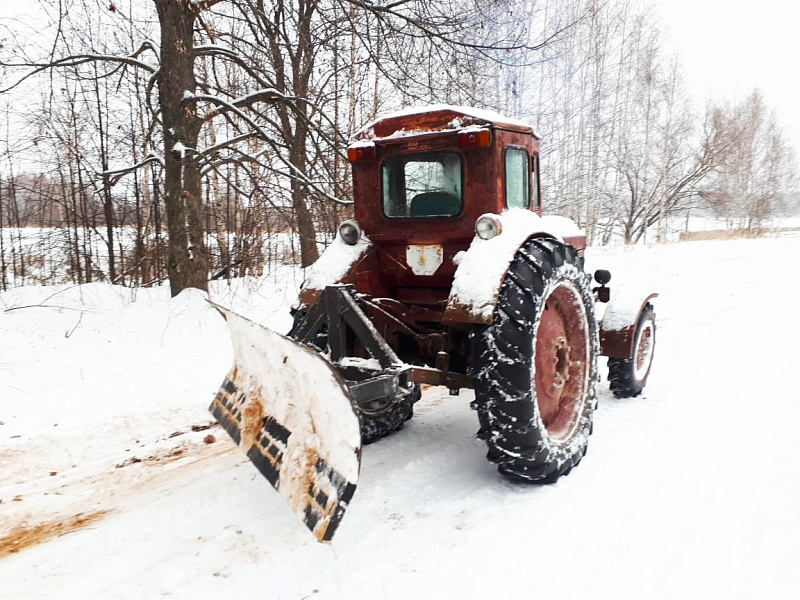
690 491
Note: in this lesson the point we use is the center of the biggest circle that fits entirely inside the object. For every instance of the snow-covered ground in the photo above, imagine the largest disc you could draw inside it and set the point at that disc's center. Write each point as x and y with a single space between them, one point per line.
690 491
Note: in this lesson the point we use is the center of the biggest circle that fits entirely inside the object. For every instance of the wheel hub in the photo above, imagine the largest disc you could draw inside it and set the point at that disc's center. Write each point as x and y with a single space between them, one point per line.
562 361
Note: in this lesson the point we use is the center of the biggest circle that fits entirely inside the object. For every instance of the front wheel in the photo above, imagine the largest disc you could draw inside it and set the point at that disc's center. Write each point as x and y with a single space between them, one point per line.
381 417
628 376
536 365
377 418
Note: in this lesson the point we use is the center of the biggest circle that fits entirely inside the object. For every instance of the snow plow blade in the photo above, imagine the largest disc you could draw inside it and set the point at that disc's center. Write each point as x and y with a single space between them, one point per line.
291 413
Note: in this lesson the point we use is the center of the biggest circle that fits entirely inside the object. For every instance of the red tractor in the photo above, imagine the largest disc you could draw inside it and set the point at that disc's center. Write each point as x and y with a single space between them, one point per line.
448 275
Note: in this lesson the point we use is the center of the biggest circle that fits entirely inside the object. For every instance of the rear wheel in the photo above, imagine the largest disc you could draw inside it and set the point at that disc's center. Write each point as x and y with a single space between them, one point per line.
536 365
627 377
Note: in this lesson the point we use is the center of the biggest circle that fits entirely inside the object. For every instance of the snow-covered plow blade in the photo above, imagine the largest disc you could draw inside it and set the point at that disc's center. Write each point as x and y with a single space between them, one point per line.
290 412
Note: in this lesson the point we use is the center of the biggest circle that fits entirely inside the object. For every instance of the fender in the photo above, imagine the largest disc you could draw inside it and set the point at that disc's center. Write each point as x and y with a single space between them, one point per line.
482 268
336 265
618 323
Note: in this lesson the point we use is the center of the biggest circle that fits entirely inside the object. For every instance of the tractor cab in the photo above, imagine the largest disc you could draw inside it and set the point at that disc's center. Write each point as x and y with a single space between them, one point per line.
433 173
421 182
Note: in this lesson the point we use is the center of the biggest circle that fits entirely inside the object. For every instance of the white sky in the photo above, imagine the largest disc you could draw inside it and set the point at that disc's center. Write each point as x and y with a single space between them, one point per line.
730 47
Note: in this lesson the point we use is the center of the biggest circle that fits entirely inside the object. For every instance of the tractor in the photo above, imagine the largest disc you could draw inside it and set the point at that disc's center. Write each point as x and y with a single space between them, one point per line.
448 275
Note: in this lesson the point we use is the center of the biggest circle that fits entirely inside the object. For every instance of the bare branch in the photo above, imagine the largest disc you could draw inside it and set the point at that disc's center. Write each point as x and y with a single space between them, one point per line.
81 59
117 174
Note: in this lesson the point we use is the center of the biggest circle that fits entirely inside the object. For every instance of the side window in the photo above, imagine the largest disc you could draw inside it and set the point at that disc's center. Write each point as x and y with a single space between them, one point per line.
518 186
537 200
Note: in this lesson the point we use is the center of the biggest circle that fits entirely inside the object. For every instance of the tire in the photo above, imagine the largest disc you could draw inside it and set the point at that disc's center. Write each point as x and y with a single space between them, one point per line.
536 365
378 418
627 377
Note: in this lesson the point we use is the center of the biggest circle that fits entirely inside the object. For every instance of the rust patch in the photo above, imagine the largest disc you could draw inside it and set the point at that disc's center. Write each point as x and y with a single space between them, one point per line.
306 489
302 479
308 297
24 536
424 259
457 312
252 420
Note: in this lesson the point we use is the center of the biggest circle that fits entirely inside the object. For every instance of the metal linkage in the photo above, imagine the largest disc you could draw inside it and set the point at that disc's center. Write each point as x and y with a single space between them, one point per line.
338 309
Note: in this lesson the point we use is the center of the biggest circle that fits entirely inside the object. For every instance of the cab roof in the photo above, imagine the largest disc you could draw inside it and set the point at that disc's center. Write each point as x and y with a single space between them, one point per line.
440 117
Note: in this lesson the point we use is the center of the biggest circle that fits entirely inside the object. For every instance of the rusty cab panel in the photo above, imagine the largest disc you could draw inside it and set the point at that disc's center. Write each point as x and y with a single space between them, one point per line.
420 181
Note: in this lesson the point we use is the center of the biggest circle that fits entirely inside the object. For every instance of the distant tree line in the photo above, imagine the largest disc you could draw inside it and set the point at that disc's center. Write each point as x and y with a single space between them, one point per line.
625 150
171 139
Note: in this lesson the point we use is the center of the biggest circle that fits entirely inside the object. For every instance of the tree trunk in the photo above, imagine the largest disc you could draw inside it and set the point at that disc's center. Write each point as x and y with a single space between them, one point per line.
187 262
306 229
108 203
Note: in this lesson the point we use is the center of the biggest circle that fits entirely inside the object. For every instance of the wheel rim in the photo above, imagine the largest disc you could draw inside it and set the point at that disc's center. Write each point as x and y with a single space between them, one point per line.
562 362
643 357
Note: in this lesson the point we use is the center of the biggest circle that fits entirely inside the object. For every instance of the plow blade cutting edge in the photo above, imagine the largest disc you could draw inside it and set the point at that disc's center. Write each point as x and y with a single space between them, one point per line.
291 413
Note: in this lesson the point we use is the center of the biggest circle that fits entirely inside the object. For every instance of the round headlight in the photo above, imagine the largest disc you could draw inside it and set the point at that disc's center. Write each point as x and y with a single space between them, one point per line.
350 232
488 226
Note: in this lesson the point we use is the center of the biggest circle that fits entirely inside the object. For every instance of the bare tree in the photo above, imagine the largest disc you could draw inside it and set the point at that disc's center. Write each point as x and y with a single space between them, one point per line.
269 101
759 167
624 151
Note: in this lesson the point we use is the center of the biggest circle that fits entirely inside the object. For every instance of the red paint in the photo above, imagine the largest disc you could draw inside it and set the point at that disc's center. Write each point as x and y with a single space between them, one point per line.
618 343
561 362
481 185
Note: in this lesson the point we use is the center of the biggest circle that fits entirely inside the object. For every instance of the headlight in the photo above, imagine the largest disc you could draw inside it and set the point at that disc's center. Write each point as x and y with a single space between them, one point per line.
350 232
488 226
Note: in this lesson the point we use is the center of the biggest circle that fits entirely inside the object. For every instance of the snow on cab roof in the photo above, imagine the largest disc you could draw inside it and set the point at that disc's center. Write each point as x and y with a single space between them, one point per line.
436 117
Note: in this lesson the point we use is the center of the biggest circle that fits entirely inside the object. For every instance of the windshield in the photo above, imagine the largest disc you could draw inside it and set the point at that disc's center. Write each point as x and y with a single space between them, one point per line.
422 185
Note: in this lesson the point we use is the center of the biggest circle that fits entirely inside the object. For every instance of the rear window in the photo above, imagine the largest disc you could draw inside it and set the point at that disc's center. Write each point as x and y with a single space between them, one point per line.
422 185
